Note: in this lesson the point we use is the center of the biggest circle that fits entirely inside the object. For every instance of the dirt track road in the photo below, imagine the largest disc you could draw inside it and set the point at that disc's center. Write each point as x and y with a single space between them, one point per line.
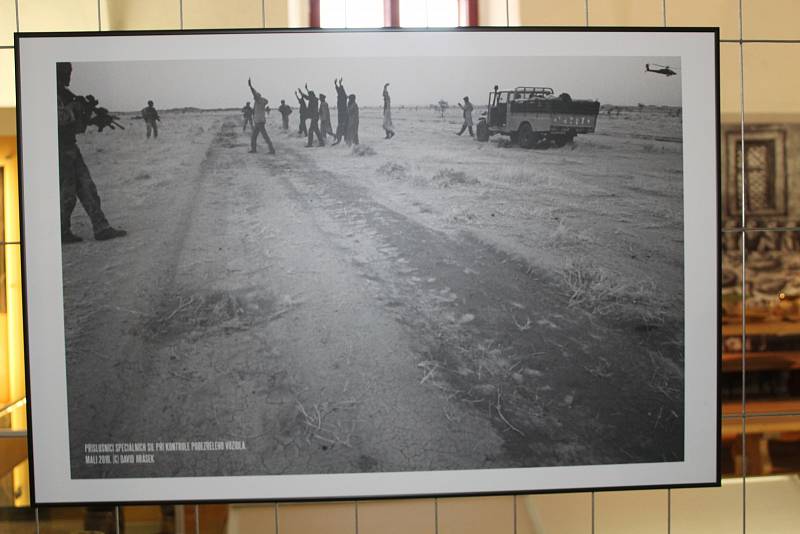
330 333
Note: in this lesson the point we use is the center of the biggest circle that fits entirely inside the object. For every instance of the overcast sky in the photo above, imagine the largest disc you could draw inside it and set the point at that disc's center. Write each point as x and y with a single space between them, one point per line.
127 85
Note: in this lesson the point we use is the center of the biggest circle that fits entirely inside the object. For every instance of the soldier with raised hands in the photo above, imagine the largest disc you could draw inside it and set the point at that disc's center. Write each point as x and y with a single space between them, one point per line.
259 119
312 113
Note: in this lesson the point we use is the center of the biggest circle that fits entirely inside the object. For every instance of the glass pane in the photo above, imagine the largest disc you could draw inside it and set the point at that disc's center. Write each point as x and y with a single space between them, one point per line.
17 520
8 22
642 512
155 519
13 414
317 518
332 13
14 487
626 13
351 13
771 445
213 518
277 13
57 15
770 84
298 14
8 118
432 13
13 334
731 296
476 515
364 13
707 510
413 13
730 81
215 14
140 14
495 14
10 186
731 190
779 21
770 179
8 95
442 13
96 519
246 518
730 454
772 316
548 13
559 513
772 502
397 517
722 13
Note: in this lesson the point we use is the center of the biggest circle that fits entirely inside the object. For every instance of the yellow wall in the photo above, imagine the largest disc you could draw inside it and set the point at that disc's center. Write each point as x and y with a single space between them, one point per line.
12 371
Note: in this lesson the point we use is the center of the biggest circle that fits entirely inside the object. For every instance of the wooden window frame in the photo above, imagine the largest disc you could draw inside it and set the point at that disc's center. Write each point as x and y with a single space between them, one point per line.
733 145
467 13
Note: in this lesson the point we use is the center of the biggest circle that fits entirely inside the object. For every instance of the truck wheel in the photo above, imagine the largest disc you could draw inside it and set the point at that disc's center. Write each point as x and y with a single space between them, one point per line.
561 140
527 139
482 131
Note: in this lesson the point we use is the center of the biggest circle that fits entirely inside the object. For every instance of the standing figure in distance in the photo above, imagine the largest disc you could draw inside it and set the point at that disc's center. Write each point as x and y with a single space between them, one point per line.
387 112
247 113
75 182
341 109
312 112
324 117
285 111
303 114
467 110
259 119
352 121
151 118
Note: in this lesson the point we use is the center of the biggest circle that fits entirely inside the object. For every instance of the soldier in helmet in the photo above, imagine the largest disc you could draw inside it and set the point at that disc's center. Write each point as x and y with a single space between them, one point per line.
285 111
247 114
74 179
151 118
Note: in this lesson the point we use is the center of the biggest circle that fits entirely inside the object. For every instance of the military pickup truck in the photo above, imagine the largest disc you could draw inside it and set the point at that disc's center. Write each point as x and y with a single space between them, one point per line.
536 117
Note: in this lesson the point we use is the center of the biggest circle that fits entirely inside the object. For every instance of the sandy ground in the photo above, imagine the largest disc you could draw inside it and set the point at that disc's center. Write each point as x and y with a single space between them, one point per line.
425 302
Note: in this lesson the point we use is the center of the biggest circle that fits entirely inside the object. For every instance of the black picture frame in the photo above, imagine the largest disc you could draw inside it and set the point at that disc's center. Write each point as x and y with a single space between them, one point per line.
50 480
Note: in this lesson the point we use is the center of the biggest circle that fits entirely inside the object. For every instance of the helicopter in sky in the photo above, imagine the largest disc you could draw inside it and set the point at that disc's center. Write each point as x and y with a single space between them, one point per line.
661 69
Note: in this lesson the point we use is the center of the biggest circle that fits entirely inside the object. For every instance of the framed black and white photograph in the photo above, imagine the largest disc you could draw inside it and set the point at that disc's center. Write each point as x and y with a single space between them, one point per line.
284 265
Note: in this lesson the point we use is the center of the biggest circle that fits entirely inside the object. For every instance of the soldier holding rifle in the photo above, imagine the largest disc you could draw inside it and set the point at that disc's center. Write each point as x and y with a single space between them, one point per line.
75 113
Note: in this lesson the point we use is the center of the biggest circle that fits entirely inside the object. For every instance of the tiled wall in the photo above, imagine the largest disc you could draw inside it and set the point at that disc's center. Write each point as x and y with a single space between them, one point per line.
760 79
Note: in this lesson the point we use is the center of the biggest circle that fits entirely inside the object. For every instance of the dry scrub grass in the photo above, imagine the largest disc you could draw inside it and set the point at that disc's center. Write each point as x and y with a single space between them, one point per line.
601 292
448 177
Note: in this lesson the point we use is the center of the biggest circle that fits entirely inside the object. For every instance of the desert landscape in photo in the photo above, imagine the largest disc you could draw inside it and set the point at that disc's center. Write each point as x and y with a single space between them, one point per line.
426 302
